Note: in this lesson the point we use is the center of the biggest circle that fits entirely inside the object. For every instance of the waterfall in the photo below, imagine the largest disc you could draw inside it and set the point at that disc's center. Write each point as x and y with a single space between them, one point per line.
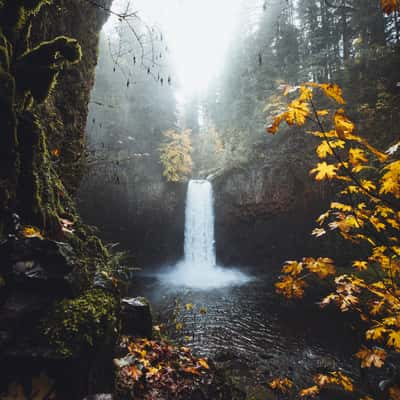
199 226
199 269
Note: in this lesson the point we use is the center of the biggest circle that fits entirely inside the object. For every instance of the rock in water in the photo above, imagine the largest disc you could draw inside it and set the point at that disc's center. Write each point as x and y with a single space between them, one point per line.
136 317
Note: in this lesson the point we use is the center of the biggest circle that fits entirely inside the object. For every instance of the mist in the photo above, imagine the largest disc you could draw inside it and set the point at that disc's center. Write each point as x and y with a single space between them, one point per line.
199 199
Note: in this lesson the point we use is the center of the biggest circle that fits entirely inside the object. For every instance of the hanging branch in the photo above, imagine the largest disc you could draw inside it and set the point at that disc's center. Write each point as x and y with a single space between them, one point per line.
130 18
121 16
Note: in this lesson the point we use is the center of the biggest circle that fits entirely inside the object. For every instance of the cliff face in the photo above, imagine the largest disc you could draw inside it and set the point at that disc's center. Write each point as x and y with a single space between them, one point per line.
142 212
265 210
65 113
124 192
42 124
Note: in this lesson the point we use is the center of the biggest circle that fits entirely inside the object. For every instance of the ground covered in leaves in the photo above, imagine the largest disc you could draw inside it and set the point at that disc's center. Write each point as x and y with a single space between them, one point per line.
160 370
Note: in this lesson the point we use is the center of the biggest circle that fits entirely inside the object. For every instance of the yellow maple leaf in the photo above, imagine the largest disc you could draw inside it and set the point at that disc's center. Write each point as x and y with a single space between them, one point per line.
341 206
357 156
368 185
394 339
324 150
293 268
273 128
375 333
312 391
343 126
333 91
323 267
324 171
391 179
178 326
360 265
371 357
282 385
31 232
322 113
377 224
342 380
290 287
305 93
377 307
202 362
298 111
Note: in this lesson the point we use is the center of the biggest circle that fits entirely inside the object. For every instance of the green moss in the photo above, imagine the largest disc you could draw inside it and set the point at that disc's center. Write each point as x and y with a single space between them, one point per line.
37 69
78 325
15 14
31 186
34 6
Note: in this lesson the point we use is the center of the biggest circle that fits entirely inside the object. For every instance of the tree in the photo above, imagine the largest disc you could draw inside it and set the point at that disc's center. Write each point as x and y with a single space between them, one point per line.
175 156
368 215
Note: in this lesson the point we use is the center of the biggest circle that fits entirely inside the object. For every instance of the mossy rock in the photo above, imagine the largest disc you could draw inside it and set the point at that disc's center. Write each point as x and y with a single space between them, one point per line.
79 325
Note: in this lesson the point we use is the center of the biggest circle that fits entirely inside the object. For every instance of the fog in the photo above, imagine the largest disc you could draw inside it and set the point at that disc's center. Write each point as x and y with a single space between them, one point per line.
185 89
197 33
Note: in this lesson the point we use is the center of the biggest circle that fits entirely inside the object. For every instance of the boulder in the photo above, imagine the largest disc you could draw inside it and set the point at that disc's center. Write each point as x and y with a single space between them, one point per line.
35 272
136 317
37 264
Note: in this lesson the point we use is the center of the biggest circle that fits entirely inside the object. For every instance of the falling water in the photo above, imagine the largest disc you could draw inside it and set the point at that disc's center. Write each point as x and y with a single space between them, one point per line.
199 268
199 227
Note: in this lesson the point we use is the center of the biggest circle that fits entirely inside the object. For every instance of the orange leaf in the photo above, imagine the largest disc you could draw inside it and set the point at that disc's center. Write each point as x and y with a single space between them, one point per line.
135 372
203 363
55 152
375 357
191 370
333 91
31 232
390 6
312 391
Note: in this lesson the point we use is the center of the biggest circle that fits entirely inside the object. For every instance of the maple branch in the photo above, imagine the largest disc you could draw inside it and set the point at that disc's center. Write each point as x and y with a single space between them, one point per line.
347 170
354 179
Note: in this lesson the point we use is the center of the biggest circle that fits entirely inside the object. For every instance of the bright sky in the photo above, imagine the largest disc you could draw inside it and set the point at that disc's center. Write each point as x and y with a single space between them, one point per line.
198 33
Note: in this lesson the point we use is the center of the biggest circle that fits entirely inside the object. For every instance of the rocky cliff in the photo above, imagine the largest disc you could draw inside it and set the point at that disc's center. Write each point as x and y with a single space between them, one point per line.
266 209
65 113
48 53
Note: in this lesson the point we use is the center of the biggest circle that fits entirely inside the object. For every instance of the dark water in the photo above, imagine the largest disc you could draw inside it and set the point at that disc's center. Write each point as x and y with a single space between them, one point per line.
257 329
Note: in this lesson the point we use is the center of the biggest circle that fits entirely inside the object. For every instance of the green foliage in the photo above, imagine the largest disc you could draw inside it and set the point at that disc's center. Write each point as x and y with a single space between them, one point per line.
79 324
118 272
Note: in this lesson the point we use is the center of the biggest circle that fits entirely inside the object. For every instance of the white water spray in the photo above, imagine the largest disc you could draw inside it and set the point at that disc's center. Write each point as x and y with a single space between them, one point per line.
199 269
